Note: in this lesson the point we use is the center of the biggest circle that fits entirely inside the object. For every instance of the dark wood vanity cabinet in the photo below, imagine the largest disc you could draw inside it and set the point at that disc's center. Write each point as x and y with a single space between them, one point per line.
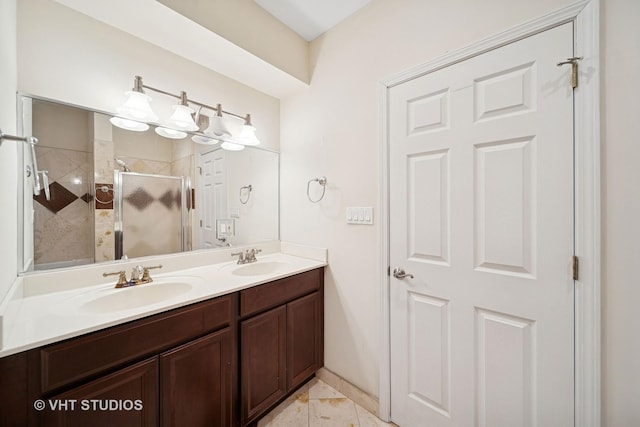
282 347
197 383
221 362
128 397
263 357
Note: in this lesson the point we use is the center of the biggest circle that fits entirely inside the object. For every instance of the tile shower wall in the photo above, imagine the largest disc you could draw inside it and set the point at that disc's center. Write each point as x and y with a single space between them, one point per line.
63 225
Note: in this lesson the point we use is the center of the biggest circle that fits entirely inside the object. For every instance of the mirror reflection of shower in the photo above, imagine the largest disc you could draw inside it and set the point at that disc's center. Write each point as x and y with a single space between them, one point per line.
151 214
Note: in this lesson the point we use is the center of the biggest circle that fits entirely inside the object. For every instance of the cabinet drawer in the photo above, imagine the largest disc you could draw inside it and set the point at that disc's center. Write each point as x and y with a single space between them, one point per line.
263 297
80 358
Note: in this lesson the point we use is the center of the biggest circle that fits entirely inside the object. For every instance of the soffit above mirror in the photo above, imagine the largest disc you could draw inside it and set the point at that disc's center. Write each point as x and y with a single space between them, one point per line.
188 40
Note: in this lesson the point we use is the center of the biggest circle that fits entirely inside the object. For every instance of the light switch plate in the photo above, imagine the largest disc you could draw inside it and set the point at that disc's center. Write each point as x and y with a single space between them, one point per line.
357 215
225 228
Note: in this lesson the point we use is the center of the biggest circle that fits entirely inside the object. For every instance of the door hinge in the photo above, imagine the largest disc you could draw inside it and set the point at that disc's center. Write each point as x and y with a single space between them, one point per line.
200 223
575 268
574 69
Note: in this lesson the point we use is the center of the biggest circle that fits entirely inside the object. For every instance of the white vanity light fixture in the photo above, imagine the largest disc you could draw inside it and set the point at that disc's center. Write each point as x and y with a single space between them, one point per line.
136 112
217 125
247 134
181 118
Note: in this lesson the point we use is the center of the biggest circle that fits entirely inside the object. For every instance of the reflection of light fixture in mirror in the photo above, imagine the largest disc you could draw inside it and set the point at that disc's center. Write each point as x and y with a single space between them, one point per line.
204 140
129 124
232 146
136 106
247 134
217 126
171 133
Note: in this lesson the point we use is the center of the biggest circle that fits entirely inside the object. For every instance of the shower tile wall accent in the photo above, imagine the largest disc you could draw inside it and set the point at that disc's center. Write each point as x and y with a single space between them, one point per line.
63 225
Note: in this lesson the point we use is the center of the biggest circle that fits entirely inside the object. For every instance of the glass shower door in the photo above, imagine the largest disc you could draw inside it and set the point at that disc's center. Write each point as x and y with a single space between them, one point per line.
150 214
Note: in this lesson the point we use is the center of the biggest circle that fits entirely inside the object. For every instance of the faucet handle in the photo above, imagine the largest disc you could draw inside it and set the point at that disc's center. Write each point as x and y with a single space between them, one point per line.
240 256
146 277
122 278
251 254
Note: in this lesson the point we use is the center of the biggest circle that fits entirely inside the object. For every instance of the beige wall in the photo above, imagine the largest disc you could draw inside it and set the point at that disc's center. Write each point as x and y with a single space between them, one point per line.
249 26
8 150
620 50
332 129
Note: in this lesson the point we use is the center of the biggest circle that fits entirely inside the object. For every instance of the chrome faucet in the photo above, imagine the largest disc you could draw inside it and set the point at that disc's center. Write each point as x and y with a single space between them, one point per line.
250 256
247 256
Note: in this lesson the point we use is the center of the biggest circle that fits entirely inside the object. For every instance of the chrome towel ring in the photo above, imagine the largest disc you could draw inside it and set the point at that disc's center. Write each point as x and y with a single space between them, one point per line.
322 180
248 194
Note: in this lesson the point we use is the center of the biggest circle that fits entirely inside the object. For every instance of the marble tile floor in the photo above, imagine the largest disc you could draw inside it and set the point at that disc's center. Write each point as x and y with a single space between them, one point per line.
316 404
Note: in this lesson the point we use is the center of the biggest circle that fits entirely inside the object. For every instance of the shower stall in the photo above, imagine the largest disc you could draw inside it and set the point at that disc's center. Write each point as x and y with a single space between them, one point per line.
150 214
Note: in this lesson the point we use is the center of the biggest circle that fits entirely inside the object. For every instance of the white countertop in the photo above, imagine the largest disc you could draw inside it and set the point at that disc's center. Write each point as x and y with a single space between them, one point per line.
50 307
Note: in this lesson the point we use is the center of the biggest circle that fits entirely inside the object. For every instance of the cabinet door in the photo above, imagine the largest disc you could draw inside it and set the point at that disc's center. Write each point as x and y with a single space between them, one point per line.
263 347
197 382
128 397
304 338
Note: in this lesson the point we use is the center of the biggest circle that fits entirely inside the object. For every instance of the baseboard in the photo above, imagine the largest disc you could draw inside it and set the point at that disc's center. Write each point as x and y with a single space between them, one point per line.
368 402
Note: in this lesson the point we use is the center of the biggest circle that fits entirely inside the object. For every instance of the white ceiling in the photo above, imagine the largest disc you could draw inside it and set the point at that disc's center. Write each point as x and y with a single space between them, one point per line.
311 18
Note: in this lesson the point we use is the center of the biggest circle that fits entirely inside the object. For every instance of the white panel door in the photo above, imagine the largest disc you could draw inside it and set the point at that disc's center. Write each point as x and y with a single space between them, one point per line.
481 214
214 195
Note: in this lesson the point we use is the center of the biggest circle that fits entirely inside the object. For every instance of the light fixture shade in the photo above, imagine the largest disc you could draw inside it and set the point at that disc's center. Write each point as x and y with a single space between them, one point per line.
199 139
136 107
217 127
181 118
129 124
171 133
247 136
232 146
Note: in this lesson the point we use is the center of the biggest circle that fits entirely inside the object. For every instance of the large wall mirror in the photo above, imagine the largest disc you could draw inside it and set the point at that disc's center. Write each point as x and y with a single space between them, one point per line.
108 193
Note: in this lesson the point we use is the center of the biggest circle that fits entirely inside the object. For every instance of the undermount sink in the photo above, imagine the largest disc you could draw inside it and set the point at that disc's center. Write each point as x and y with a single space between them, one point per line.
259 268
135 296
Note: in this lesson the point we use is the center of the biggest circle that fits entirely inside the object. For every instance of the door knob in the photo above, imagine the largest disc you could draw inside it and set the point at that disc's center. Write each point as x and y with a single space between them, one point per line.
399 273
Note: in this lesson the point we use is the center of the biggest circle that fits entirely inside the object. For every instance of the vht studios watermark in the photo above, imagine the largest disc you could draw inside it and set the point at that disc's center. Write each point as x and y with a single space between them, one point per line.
88 405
